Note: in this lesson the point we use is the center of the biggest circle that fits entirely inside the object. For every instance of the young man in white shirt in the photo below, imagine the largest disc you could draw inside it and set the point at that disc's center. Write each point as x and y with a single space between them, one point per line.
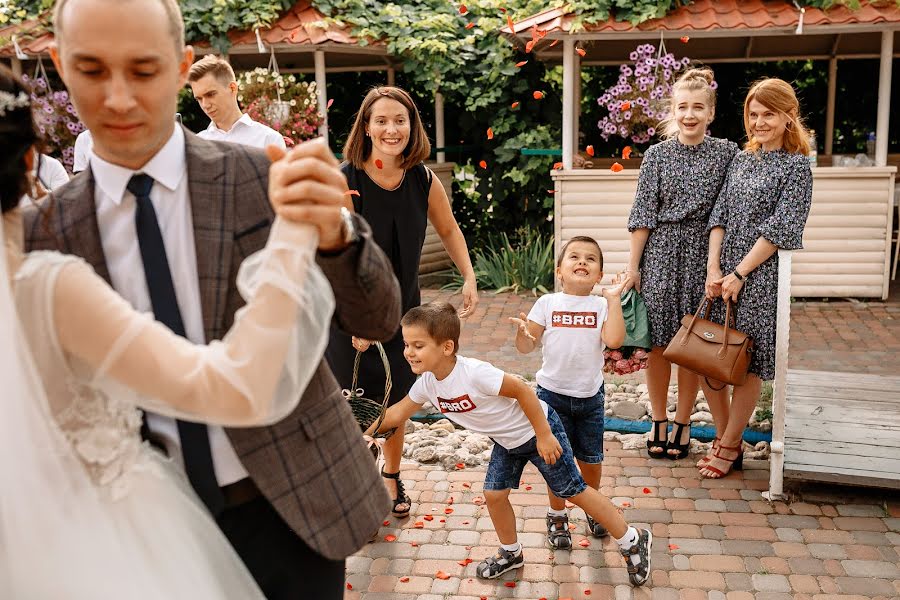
214 86
574 328
484 399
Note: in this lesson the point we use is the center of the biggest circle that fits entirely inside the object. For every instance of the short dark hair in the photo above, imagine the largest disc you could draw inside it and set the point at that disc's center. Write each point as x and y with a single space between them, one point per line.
359 145
18 134
580 238
439 319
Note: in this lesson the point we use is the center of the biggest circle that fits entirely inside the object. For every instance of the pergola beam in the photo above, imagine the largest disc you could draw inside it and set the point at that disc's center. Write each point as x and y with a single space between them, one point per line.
884 99
568 102
322 92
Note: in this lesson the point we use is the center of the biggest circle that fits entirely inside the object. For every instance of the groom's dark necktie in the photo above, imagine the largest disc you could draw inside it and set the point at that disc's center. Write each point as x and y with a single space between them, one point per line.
194 437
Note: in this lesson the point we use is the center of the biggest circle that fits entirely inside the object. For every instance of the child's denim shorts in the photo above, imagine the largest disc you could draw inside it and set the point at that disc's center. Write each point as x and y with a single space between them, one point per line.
562 477
583 421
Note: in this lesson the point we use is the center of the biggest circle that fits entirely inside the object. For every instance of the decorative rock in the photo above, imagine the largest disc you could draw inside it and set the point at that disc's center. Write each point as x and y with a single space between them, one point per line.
424 455
629 410
633 441
641 389
701 416
443 424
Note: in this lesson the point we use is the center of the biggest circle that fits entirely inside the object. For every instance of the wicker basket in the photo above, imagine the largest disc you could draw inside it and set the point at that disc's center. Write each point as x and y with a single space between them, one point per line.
366 411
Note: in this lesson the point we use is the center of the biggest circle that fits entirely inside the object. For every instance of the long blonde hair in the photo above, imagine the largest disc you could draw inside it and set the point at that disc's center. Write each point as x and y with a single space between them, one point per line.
778 95
692 80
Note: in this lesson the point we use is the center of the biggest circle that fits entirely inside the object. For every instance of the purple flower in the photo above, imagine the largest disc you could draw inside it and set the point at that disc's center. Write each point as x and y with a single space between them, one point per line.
651 131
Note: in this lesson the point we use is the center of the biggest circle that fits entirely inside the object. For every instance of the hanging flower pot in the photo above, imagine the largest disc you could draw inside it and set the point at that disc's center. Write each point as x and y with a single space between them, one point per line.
288 106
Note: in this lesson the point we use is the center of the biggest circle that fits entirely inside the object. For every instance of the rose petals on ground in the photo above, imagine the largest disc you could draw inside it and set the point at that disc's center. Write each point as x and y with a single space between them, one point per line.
528 488
580 51
646 490
385 523
441 575
404 579
465 522
448 511
615 168
390 538
538 95
418 524
428 518
490 133
510 584
349 587
589 150
477 500
464 562
450 501
467 485
522 63
626 152
625 504
587 592
673 546
584 543
483 165
414 544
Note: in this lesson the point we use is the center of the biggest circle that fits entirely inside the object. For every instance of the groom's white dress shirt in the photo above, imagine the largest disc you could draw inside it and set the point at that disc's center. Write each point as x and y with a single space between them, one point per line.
115 218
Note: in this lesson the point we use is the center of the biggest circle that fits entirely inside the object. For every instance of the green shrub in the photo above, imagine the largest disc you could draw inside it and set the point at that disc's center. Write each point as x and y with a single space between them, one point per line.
503 266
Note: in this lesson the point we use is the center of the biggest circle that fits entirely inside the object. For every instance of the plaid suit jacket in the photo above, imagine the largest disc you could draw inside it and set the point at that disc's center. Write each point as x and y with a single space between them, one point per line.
312 466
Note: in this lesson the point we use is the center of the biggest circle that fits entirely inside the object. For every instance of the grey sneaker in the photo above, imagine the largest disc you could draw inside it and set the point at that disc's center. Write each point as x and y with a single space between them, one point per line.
495 566
558 533
639 573
596 529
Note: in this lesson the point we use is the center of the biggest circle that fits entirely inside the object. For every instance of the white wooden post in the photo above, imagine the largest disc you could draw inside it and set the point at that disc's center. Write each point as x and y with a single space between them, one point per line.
322 93
779 391
391 76
16 66
576 104
439 139
829 109
568 101
884 98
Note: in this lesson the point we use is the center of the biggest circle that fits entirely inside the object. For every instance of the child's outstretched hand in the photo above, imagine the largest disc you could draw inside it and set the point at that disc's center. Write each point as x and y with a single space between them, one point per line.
618 287
548 447
522 323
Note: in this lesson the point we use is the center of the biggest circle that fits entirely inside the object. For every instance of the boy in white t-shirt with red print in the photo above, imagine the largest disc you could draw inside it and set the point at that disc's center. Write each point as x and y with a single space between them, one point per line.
574 328
484 399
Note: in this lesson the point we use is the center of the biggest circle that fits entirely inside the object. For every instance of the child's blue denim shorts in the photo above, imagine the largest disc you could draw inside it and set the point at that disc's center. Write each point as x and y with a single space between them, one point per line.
583 421
563 478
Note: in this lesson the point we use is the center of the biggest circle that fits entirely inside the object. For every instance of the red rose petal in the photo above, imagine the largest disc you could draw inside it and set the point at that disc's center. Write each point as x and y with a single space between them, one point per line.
450 501
673 546
470 25
589 150
483 165
349 587
509 23
404 579
464 562
478 500
514 104
465 522
615 168
646 490
580 51
462 9
685 39
386 523
626 152
378 163
467 485
443 521
584 543
626 106
448 511
428 518
419 525
625 504
528 488
510 584
557 165
538 95
390 538
414 544
330 102
551 191
553 43
522 63
441 575
490 133
529 46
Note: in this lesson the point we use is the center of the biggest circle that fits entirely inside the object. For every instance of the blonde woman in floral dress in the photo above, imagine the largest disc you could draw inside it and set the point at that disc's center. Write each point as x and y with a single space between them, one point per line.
763 206
678 184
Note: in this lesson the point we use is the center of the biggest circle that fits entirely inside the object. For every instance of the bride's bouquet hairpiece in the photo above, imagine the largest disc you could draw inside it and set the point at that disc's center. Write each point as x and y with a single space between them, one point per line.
11 102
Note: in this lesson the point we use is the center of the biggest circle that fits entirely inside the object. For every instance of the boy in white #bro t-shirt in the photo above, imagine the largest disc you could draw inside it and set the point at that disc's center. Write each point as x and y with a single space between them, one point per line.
574 328
484 399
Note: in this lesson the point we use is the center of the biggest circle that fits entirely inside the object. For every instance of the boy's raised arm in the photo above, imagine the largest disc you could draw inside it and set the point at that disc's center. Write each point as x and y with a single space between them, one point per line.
396 415
547 445
528 333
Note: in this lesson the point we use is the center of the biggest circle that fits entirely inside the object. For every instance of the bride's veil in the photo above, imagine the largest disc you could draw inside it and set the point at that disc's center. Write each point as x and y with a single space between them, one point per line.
55 541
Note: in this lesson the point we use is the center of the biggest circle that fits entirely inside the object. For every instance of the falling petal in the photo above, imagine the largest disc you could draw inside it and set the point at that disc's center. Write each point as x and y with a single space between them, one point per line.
538 95
685 39
462 9
551 191
529 46
557 165
589 150
503 10
553 43
514 105
441 575
470 25
390 538
330 102
522 63
626 154
490 133
580 52
509 23
626 106
483 165
378 163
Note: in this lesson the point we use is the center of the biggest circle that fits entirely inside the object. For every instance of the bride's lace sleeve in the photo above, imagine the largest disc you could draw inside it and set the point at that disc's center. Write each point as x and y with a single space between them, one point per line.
255 375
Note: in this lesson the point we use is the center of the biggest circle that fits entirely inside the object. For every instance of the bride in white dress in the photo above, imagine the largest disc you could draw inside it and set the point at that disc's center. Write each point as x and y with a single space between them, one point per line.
88 510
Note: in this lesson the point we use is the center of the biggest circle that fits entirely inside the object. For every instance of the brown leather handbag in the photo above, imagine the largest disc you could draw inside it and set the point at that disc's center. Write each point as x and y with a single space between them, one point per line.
715 351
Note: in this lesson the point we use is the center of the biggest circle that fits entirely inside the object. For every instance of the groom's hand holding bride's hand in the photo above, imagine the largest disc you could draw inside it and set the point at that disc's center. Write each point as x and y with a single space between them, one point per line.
306 186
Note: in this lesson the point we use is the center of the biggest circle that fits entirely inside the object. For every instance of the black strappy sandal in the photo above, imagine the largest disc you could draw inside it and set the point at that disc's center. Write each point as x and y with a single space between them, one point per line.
682 450
401 497
658 441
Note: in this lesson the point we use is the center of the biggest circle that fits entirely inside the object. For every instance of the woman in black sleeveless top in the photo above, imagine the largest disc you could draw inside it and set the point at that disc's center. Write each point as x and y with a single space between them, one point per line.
397 195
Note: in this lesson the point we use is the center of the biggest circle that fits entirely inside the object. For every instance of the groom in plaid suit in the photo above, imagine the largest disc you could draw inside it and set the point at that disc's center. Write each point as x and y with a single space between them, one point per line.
159 208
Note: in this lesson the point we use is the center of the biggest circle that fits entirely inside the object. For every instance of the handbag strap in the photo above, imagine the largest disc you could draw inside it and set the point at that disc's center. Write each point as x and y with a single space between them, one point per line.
728 319
387 380
703 303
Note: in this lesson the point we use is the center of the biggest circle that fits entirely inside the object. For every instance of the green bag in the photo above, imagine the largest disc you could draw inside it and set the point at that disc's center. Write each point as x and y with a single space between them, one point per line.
637 325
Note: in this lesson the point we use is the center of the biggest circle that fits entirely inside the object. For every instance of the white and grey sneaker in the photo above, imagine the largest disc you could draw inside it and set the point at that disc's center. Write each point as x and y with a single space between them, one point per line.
639 573
495 566
558 534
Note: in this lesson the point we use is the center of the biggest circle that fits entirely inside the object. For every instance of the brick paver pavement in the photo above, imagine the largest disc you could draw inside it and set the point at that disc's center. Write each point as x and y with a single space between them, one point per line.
713 540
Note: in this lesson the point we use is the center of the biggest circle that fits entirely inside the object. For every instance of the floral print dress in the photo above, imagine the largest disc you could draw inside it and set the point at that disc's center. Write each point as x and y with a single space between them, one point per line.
677 188
768 195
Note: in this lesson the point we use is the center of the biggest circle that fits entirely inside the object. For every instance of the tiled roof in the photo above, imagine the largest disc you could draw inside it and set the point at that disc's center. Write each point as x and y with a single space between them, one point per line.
713 15
300 25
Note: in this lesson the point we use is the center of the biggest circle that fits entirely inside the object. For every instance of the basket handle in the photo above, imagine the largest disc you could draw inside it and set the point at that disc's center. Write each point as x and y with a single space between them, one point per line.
387 380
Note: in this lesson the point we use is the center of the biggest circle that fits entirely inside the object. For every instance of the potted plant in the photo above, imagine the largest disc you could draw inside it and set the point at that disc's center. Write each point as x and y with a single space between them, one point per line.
288 106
